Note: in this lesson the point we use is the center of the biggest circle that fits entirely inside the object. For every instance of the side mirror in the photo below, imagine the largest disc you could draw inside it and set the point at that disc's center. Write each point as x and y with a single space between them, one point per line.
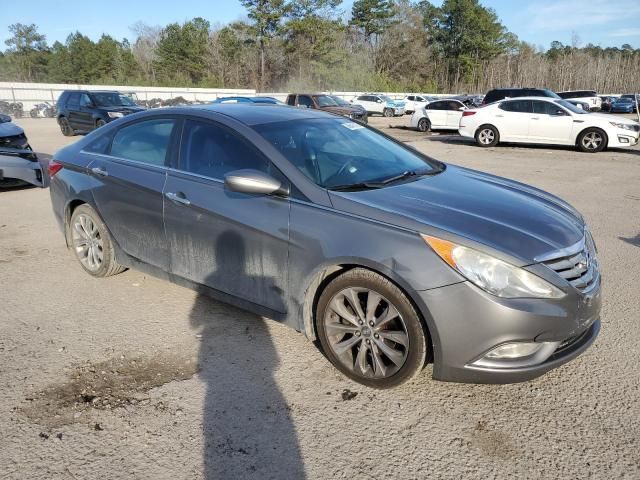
378 101
560 113
253 182
462 109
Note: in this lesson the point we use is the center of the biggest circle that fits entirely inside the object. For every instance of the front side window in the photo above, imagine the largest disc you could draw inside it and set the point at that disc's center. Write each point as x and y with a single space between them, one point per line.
146 141
517 106
326 101
337 152
455 105
545 108
212 150
85 101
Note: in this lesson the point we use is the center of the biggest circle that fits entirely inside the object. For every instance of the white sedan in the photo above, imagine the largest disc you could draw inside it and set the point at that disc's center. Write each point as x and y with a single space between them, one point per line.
550 121
438 115
416 102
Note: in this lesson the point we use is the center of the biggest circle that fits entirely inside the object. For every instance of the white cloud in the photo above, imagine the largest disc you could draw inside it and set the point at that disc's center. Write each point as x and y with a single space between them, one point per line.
567 15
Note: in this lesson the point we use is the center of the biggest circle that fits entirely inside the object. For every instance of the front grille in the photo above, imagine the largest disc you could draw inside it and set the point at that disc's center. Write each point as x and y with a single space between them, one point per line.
579 267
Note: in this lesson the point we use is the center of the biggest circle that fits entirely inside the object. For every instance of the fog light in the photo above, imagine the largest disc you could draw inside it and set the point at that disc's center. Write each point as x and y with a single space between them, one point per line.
623 139
513 350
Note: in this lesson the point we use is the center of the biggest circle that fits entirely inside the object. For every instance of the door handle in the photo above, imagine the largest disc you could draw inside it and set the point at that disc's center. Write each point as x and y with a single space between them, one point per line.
535 118
178 198
99 171
499 116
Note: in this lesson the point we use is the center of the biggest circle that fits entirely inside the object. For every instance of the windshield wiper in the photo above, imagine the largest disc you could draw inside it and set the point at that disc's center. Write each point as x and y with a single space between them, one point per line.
382 183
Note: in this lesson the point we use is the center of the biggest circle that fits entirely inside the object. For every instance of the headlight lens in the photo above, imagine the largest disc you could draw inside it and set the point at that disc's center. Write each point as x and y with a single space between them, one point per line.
624 126
115 114
491 274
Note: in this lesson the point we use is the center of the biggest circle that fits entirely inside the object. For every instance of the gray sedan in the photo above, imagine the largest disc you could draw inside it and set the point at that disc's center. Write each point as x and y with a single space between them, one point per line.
389 258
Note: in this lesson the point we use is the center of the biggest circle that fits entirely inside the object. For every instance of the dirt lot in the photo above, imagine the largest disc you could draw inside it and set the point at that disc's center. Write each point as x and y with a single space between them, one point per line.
132 377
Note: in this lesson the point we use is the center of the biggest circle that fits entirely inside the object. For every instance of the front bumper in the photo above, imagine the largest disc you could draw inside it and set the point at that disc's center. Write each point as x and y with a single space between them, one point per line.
623 138
470 322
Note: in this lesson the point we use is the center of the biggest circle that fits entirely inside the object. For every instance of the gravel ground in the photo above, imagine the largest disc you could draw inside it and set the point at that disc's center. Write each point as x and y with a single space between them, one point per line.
132 377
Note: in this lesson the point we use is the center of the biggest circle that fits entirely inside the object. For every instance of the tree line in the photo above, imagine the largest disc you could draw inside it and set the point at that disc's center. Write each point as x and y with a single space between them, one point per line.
283 45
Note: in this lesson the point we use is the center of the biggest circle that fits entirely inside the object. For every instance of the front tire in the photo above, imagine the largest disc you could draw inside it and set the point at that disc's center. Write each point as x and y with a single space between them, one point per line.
370 331
424 125
65 127
100 123
592 140
91 243
487 136
387 112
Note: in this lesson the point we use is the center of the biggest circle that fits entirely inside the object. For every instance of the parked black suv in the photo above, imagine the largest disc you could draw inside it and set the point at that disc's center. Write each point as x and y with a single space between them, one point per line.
80 111
498 94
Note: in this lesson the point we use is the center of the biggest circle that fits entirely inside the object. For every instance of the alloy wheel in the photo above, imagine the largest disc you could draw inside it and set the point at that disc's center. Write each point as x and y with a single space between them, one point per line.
592 141
87 242
486 136
366 332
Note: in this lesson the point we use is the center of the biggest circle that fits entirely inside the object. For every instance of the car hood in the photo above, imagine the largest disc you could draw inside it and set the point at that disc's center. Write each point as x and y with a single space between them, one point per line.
608 118
125 110
10 129
342 110
515 221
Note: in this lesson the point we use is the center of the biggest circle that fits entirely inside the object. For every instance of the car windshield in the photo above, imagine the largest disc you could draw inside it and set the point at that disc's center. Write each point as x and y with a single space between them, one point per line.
326 101
112 99
624 100
386 99
340 101
571 107
341 154
552 94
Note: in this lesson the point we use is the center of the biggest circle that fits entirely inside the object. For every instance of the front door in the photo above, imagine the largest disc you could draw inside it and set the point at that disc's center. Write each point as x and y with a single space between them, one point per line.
131 180
550 123
233 242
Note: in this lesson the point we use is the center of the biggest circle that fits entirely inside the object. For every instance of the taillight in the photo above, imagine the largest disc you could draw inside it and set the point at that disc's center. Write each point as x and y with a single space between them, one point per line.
468 113
53 168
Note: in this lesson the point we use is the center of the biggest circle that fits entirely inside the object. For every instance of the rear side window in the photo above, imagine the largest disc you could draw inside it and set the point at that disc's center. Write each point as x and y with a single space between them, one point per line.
291 100
362 98
74 100
146 141
518 106
212 150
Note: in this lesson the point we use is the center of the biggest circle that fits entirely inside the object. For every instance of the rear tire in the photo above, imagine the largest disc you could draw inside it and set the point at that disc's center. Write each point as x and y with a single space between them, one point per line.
100 123
387 112
65 127
370 331
487 136
424 125
592 140
91 243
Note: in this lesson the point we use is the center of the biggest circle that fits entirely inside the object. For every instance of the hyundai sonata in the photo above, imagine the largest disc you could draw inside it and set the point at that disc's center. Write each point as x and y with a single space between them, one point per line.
389 258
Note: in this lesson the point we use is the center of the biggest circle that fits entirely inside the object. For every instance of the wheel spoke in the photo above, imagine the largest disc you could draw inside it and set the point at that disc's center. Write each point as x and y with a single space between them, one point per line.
393 355
389 314
337 328
354 301
373 300
77 226
396 336
345 345
361 359
338 306
379 368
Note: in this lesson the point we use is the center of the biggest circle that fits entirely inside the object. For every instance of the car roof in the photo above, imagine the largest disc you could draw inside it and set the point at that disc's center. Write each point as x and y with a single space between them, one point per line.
250 113
530 97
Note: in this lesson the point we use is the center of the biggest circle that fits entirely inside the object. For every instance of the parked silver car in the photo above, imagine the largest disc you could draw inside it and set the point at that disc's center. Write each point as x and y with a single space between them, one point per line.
389 258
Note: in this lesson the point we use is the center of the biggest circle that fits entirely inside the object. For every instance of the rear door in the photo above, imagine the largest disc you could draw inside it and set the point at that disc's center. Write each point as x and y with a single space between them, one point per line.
437 113
85 113
73 111
454 114
233 242
131 179
548 125
512 118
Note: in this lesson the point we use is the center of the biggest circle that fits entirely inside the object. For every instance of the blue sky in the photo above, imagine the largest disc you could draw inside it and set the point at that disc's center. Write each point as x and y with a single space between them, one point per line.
602 22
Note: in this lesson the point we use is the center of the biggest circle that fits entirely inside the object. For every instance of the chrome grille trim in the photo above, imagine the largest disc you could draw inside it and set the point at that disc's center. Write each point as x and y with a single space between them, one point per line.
577 264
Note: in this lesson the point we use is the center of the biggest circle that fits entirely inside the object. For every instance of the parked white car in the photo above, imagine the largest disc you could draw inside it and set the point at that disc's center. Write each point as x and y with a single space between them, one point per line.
544 120
588 96
438 115
382 104
414 103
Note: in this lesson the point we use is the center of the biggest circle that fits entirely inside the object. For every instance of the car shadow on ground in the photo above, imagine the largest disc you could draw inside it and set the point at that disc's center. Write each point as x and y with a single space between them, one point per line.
635 241
247 427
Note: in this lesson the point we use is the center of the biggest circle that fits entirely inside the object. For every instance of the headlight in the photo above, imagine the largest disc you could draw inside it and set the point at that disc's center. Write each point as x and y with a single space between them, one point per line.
115 114
624 126
491 274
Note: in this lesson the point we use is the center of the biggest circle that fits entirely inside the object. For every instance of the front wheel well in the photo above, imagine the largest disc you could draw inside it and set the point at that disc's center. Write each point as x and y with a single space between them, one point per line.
584 130
326 276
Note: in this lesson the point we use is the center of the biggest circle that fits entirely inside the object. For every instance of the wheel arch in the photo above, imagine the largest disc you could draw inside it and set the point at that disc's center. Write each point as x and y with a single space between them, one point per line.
324 274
